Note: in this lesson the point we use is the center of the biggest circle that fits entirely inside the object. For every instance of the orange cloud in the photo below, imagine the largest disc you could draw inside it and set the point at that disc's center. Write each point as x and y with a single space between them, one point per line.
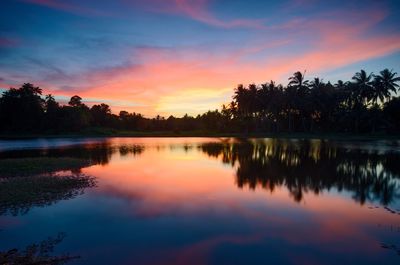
192 79
163 74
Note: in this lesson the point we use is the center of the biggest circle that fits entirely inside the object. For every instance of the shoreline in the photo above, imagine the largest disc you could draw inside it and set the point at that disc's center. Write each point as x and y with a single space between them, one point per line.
162 134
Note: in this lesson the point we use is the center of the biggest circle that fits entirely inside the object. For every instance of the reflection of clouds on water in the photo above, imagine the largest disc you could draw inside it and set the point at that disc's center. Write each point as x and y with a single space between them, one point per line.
312 166
368 170
183 198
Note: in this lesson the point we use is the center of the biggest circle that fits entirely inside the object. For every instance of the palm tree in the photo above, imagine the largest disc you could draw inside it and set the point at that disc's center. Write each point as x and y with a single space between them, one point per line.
316 83
316 100
239 97
298 97
360 93
384 84
362 89
340 84
50 103
297 80
253 100
362 78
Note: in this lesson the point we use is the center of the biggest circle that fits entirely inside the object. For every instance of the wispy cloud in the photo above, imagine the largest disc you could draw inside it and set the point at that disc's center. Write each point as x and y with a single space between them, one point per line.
199 10
162 71
71 7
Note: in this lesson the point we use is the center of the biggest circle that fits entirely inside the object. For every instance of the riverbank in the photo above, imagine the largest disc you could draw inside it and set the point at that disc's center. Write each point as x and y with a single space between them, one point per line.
286 135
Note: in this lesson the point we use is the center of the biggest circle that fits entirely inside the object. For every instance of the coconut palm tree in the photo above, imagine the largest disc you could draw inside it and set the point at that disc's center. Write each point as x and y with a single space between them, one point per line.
298 97
384 84
298 80
317 83
316 100
362 89
240 98
340 84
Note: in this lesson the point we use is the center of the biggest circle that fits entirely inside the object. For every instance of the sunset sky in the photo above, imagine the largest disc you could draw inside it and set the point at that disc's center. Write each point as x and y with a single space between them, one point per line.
186 56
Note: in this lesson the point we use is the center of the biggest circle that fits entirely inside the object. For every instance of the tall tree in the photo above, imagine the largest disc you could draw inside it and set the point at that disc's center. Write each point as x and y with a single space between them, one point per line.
362 89
22 108
384 84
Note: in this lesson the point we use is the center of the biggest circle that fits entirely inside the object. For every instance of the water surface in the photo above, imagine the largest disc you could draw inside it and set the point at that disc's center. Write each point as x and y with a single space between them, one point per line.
218 201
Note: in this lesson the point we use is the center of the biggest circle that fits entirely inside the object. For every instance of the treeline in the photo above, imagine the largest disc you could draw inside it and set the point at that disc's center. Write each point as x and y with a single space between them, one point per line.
364 104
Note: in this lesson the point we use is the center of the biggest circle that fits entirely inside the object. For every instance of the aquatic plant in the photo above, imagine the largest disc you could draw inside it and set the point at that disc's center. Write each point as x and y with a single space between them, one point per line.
19 194
36 254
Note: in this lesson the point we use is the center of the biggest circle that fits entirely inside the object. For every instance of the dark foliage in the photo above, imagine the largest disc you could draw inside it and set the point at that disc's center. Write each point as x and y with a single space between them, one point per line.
36 254
365 104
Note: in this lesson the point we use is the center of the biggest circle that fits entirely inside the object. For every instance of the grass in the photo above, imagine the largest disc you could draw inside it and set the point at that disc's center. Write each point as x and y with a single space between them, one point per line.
39 165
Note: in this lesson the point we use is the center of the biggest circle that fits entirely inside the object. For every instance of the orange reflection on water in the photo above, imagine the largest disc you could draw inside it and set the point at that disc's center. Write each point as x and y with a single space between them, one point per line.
176 178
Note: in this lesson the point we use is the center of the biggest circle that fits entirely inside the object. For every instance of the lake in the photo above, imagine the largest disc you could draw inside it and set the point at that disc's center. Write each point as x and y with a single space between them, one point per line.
206 200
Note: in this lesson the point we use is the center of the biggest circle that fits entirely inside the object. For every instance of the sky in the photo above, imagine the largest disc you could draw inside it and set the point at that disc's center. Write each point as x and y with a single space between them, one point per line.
172 57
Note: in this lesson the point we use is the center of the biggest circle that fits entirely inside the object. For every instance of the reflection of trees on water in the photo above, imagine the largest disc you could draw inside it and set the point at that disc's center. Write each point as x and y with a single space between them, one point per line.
96 154
37 254
301 166
312 166
30 182
19 194
392 247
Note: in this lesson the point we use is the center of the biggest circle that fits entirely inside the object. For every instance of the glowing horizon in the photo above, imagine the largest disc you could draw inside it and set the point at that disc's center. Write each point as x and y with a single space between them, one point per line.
186 56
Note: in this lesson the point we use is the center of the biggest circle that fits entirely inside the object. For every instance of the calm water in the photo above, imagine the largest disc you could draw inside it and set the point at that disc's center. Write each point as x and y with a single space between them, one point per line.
219 201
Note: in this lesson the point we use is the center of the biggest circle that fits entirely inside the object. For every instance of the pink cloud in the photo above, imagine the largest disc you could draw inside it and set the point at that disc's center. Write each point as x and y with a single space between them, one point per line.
193 189
164 72
162 78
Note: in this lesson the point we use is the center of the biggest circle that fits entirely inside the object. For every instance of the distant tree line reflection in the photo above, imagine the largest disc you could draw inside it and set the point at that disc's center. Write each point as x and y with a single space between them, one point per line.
94 154
302 166
312 166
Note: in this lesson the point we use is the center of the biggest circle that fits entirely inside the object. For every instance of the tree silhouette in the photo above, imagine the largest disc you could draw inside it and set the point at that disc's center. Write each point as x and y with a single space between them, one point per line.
366 104
362 89
75 101
311 167
22 109
384 84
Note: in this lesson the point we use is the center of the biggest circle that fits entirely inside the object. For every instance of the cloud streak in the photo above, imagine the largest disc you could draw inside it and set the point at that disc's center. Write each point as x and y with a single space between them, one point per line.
168 74
68 7
198 10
